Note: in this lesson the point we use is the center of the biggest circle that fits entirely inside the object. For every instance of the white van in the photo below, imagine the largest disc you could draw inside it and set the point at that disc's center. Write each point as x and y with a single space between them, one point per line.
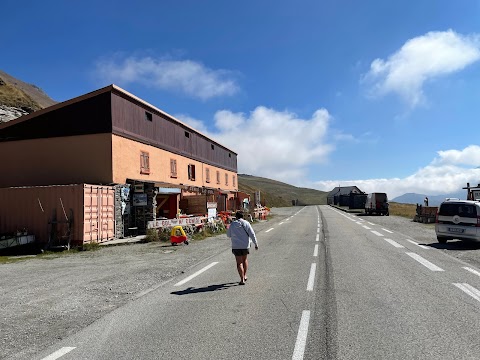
458 219
377 203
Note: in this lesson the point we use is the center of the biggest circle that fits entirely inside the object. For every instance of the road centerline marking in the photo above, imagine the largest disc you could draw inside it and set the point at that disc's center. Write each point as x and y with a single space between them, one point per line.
317 238
376 233
59 353
366 227
269 230
424 262
311 277
196 274
315 251
299 349
388 231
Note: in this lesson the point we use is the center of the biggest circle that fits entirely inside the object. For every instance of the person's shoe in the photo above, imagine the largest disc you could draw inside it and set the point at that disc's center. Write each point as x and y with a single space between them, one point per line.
241 283
245 279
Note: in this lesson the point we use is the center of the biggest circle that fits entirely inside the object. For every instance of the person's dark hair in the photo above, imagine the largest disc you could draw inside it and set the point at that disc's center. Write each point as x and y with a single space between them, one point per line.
239 215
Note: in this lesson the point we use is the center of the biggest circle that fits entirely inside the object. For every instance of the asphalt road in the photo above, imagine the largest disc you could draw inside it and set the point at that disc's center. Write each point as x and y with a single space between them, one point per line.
323 285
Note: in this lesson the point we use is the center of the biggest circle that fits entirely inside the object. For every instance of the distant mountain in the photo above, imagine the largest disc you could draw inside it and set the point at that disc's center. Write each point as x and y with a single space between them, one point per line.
17 98
433 200
279 194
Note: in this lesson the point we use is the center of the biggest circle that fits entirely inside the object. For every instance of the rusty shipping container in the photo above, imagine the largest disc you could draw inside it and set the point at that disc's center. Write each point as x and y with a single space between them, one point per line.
92 208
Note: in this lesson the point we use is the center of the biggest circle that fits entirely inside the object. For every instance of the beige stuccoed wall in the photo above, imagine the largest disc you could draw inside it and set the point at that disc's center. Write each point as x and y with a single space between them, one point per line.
56 161
126 165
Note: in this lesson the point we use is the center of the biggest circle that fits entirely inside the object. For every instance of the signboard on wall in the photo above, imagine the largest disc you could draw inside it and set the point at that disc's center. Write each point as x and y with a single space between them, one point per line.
139 199
138 188
211 205
197 220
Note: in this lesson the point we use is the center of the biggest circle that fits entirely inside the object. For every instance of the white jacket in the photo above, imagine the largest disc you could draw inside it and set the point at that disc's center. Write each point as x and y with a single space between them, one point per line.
240 231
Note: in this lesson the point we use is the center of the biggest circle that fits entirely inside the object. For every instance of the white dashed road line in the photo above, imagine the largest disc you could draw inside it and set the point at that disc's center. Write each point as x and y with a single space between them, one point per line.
394 243
377 233
424 262
301 336
315 251
388 231
473 271
370 223
311 278
317 238
196 274
469 289
366 227
59 353
269 230
414 243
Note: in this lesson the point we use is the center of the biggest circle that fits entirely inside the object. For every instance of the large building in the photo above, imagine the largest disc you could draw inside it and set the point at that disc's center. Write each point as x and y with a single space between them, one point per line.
157 165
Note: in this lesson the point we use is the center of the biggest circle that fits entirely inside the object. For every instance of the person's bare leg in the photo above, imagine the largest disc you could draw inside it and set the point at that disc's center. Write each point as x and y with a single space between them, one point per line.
240 269
245 267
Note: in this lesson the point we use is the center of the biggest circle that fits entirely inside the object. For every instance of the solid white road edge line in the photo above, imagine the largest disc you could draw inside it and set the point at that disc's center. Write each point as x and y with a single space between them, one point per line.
388 231
311 277
414 243
377 233
394 243
315 251
301 336
424 262
196 274
473 271
269 230
469 289
59 353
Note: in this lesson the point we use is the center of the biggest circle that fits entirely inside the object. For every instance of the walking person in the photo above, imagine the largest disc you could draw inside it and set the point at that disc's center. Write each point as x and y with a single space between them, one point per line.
240 232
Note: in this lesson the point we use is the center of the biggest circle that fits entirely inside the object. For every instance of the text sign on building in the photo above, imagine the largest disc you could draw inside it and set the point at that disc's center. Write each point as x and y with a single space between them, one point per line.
197 220
211 205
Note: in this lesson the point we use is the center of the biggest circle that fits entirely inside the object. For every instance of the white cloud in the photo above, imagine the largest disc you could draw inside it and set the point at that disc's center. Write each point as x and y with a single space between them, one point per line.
187 76
421 59
274 144
445 174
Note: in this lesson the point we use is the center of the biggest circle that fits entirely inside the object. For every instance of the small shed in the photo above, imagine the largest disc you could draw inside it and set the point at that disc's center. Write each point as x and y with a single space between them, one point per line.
340 195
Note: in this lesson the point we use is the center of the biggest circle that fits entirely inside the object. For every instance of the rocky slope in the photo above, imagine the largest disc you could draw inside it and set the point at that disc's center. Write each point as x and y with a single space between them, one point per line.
18 98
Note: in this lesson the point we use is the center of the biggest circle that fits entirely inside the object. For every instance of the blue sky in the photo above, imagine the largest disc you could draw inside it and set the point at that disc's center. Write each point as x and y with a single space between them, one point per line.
377 94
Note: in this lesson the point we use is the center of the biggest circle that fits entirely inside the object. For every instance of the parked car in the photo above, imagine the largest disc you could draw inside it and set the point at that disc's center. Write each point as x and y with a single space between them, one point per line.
377 203
458 219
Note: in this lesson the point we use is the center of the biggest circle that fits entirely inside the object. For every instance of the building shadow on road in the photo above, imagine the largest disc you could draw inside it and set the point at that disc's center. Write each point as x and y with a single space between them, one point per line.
456 245
217 287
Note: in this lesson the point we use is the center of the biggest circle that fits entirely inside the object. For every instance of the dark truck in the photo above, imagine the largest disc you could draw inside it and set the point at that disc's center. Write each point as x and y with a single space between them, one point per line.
377 203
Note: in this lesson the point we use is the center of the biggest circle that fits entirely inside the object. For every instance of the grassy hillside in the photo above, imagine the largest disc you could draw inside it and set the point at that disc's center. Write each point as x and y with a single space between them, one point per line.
13 97
278 194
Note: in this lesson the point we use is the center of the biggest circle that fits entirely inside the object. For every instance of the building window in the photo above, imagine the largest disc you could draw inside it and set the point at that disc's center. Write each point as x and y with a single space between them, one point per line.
207 175
226 179
229 155
218 177
191 172
234 180
213 147
144 163
148 116
187 134
173 168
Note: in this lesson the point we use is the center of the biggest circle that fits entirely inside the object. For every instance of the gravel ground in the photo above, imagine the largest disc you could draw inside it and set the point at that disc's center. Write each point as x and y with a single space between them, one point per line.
46 299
